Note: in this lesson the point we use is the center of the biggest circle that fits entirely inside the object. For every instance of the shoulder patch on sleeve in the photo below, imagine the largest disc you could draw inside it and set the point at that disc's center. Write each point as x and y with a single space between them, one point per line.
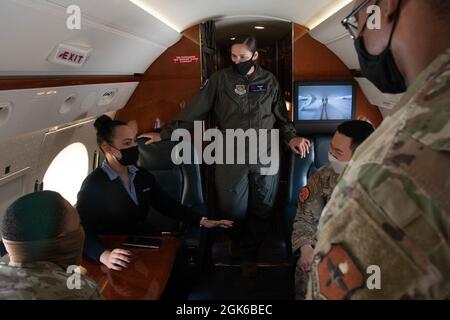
304 194
337 276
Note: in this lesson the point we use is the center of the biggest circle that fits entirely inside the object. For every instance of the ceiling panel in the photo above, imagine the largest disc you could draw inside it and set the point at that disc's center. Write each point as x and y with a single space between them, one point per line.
123 15
274 29
181 14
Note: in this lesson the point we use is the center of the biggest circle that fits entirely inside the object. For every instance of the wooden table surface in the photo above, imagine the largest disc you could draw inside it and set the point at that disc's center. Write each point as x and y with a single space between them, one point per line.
146 276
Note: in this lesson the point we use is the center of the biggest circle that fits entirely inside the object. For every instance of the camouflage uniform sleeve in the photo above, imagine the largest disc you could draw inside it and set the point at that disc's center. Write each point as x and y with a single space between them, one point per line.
309 209
96 295
386 228
91 290
196 109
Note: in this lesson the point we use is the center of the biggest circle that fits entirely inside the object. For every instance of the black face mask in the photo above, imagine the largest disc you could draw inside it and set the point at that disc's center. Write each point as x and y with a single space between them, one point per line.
130 156
244 67
381 69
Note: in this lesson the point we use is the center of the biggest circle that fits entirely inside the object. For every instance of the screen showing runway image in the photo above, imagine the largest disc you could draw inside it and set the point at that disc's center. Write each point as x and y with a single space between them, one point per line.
325 102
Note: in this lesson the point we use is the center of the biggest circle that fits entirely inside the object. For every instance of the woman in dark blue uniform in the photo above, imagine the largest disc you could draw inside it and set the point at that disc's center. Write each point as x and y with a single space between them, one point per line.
115 198
244 96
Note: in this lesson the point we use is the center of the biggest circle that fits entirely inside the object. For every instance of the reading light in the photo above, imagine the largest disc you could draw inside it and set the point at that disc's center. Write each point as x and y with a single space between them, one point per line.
232 38
46 93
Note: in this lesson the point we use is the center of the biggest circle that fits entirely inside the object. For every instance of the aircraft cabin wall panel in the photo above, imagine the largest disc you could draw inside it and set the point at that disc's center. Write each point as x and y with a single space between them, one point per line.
344 49
20 153
332 34
26 159
11 189
19 159
31 30
34 109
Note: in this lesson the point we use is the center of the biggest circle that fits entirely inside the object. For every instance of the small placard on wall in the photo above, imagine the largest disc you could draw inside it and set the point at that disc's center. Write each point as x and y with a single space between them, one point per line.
186 59
70 55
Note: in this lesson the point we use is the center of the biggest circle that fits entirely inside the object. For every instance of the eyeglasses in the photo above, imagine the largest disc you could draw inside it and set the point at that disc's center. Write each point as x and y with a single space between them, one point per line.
350 22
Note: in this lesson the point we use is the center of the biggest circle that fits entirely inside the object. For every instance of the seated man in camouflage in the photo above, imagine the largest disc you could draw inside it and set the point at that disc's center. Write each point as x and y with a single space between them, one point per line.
315 195
44 239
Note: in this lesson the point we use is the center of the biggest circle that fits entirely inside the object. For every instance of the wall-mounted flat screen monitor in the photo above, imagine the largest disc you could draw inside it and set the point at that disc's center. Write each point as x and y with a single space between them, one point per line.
319 107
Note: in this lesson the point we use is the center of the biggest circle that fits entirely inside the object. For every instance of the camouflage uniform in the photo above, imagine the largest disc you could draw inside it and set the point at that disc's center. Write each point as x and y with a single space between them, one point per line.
42 281
312 200
391 207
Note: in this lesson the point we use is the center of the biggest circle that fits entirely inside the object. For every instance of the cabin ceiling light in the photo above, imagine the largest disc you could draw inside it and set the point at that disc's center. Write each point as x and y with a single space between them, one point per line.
326 13
47 93
259 27
146 7
233 38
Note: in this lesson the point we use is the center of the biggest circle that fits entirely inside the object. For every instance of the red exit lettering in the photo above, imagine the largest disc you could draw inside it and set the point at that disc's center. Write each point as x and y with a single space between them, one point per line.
69 56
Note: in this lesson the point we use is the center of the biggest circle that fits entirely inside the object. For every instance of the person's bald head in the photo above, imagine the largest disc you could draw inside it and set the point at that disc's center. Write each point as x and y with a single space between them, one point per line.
39 216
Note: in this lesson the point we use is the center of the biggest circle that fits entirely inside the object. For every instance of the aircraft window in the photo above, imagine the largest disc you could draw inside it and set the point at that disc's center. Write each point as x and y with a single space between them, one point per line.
67 171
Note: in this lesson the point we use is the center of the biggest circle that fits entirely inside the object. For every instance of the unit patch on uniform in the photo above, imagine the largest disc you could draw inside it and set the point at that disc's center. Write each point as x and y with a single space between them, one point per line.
258 88
240 89
304 194
337 275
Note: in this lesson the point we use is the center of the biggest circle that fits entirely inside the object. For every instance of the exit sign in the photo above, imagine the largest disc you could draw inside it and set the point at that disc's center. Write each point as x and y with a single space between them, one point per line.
70 55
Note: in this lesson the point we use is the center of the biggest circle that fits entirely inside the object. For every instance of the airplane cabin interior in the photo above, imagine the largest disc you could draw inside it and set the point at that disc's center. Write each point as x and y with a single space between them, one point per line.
65 63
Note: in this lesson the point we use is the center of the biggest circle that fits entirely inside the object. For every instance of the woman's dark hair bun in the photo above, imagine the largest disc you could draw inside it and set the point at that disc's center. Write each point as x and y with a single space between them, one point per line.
102 121
105 128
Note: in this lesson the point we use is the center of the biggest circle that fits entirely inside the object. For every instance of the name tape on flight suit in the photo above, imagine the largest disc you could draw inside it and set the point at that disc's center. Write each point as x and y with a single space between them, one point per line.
258 88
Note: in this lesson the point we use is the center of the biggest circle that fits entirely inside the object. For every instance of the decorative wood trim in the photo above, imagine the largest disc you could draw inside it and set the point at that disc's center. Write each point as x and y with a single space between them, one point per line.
165 86
14 83
299 31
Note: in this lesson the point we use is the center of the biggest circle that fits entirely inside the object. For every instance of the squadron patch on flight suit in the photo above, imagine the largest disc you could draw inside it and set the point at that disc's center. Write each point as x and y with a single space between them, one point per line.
337 275
304 194
240 89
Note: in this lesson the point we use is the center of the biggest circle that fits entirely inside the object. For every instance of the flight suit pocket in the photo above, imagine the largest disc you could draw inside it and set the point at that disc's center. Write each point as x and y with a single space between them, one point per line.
266 187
